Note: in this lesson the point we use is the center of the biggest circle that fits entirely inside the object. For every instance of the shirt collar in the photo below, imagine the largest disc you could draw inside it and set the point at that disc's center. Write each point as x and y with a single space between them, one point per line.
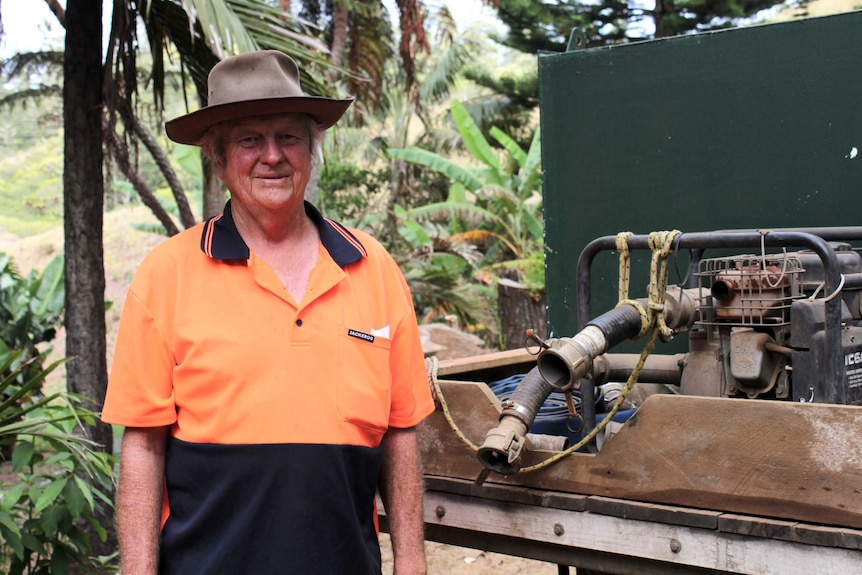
221 240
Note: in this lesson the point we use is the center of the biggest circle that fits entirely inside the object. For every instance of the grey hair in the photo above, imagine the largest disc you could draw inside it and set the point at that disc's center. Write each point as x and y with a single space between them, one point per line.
212 143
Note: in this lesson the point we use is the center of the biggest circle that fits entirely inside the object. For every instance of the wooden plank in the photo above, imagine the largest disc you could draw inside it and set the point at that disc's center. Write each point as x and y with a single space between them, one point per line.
707 453
666 514
671 544
567 501
471 368
505 493
756 526
828 536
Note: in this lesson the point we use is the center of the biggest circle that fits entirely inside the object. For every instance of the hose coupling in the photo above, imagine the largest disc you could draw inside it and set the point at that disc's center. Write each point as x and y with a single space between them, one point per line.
504 445
568 359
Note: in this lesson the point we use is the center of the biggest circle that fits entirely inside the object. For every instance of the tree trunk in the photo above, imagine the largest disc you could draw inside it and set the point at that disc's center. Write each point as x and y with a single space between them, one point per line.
520 310
659 13
146 137
83 203
340 13
58 11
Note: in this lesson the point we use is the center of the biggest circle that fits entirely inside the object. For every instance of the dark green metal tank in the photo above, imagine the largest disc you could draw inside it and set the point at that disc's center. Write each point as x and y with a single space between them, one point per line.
750 128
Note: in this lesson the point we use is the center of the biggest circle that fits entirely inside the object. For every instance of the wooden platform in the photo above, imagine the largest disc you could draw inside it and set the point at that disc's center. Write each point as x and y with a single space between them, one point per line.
800 462
689 485
630 538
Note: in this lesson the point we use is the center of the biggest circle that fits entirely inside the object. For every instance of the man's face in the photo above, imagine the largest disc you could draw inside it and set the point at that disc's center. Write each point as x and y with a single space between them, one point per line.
267 162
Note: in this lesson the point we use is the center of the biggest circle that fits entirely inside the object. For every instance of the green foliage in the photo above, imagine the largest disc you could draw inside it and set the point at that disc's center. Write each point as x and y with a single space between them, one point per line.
189 159
439 270
499 201
31 128
545 26
490 224
348 191
58 481
30 310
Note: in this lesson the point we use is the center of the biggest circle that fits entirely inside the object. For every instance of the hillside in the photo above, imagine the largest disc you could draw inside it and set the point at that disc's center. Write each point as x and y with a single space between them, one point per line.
124 249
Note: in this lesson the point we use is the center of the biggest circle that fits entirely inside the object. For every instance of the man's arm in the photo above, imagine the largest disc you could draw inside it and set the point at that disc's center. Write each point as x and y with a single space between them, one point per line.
401 491
139 498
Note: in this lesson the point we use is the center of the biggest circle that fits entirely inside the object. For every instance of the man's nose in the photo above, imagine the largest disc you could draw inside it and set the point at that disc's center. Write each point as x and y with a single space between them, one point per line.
271 152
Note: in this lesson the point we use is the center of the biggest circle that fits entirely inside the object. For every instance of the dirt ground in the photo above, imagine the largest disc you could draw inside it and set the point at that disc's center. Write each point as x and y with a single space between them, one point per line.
451 560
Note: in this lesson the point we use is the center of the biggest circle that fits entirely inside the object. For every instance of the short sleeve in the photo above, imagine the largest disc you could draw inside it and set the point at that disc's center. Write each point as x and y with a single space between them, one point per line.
140 389
411 393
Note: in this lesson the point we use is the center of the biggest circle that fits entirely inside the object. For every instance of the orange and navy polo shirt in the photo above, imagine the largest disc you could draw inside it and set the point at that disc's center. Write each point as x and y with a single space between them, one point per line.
277 408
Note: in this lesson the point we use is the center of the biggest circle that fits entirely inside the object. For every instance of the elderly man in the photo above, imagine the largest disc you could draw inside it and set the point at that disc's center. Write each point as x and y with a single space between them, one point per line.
268 369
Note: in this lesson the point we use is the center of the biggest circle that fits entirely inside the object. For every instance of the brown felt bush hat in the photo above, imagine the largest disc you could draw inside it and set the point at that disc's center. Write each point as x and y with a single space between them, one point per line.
253 84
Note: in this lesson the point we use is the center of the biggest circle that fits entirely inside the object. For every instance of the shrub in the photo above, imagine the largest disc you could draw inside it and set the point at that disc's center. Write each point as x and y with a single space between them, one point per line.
59 481
30 309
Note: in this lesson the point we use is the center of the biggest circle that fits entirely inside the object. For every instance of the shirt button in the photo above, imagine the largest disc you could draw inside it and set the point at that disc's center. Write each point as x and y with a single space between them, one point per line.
299 323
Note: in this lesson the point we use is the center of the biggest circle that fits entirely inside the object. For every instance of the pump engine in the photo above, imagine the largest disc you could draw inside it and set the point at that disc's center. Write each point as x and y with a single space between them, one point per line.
760 330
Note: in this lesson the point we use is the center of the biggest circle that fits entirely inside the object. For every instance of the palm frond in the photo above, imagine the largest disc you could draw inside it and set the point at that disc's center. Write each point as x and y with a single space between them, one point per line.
443 73
223 31
510 145
531 167
475 142
438 163
473 216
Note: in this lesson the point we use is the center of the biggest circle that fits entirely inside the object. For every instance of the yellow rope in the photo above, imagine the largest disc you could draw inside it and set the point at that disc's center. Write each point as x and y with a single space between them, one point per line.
652 317
431 364
625 264
660 243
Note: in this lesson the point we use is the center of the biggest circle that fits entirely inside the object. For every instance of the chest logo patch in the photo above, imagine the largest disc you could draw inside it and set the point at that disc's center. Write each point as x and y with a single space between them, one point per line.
360 335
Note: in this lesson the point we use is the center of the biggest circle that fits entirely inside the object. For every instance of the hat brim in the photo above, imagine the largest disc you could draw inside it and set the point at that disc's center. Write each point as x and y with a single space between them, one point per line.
190 129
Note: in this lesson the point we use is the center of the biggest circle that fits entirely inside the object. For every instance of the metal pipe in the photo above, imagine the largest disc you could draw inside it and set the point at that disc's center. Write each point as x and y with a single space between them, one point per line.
544 442
568 360
664 369
853 281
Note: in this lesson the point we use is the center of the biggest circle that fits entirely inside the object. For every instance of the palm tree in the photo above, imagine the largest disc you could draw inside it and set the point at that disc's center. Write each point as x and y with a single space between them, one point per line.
405 101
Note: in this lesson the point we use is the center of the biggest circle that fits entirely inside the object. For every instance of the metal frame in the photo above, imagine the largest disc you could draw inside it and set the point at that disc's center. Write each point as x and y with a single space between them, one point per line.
815 239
